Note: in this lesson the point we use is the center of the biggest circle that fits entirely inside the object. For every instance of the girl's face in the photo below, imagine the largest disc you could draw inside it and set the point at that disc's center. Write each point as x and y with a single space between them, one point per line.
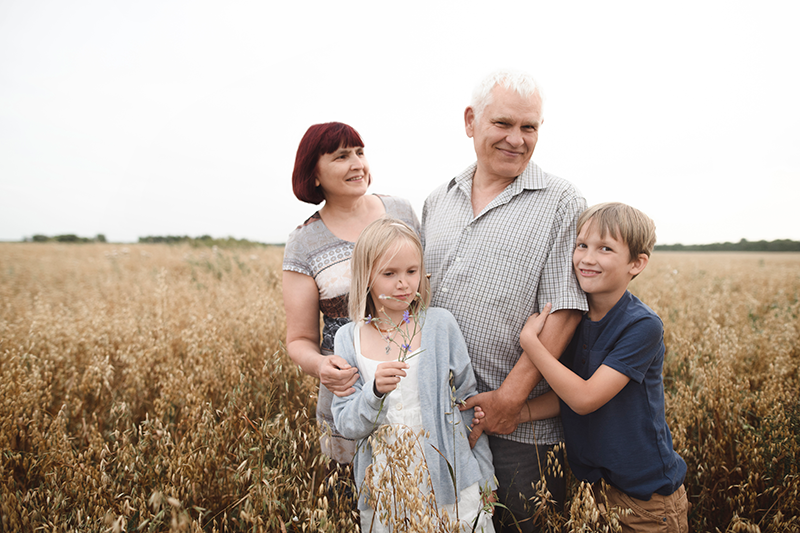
343 172
395 280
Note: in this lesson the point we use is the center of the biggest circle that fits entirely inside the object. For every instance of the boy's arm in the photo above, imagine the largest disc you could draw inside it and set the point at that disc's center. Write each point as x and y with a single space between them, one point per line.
503 406
582 396
540 408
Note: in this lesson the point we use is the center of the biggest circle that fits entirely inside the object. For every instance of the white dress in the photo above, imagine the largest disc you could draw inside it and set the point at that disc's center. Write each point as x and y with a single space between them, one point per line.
403 414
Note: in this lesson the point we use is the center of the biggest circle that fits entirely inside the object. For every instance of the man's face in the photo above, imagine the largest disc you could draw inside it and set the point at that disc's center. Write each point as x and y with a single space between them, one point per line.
506 133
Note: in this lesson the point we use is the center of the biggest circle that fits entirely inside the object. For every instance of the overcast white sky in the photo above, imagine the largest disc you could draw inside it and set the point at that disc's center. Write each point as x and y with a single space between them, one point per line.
159 117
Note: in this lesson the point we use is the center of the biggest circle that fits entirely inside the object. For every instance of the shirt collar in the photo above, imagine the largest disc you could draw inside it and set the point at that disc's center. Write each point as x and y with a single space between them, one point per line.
532 177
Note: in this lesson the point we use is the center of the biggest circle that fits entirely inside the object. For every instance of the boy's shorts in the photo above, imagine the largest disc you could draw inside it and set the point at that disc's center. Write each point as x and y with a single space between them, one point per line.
661 513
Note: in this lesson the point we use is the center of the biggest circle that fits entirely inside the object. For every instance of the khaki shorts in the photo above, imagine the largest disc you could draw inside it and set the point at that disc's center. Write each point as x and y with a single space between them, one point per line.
660 513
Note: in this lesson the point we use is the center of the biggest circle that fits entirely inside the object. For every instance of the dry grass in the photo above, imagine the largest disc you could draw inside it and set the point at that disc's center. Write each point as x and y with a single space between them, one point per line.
146 389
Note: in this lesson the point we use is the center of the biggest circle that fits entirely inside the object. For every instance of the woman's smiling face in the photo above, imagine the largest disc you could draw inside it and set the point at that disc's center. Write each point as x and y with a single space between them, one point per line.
343 172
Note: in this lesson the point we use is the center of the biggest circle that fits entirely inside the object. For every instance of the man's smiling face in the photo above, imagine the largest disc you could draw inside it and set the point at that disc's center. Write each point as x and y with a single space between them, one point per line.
505 133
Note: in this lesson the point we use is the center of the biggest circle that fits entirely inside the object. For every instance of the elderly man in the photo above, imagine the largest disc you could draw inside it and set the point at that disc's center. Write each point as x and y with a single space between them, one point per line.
498 244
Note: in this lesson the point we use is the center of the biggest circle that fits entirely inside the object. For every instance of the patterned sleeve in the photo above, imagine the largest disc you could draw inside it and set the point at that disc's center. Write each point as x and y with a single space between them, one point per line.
401 209
558 284
295 256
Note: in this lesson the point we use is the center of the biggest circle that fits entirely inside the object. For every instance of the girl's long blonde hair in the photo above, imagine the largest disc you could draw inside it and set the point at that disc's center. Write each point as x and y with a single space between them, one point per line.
369 254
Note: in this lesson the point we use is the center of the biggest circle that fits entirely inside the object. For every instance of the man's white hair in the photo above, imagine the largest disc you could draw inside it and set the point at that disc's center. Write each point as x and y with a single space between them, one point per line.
520 82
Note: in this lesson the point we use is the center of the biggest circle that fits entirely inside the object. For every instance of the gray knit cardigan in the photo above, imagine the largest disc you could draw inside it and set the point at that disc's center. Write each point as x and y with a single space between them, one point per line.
444 348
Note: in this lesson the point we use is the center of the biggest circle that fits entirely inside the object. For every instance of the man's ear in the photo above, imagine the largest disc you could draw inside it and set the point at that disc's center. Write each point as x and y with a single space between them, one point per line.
469 122
638 264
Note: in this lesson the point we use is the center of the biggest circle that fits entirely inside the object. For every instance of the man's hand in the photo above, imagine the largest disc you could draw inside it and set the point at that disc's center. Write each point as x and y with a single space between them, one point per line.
500 413
337 375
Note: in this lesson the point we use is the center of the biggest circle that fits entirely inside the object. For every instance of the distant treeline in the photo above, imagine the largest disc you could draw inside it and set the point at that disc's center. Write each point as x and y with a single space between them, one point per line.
203 240
780 245
66 238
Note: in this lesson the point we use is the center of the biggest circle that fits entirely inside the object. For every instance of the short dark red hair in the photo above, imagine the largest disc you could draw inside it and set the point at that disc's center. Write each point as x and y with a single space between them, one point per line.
319 139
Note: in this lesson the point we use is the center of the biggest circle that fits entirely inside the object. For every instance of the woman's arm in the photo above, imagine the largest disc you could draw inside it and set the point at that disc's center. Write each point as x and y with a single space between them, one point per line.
301 302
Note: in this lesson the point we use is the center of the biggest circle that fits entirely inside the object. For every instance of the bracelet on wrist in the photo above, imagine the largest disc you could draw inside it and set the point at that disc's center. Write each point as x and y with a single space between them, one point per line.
375 390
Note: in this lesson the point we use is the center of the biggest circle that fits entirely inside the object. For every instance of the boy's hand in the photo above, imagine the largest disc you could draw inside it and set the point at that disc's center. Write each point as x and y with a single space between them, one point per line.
388 375
534 326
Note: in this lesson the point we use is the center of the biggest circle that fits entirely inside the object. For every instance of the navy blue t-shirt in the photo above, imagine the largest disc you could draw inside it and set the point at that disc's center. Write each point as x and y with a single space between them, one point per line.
627 441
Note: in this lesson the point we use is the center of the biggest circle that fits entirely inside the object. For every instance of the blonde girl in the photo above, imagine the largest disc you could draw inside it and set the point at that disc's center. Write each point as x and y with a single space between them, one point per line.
413 367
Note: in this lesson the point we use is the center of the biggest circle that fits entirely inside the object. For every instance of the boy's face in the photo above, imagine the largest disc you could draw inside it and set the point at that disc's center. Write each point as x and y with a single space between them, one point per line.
603 264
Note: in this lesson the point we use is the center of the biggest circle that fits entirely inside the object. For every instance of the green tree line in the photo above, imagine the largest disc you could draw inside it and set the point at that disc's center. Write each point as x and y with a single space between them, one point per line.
203 240
69 237
780 245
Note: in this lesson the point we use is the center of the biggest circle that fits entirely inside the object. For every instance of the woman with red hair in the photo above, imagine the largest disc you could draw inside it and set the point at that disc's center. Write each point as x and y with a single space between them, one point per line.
330 167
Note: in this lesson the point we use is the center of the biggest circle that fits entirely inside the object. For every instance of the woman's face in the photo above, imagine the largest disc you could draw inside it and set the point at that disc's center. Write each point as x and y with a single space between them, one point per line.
345 172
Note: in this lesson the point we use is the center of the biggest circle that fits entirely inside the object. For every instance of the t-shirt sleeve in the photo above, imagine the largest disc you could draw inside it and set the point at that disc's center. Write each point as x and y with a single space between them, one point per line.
401 209
637 348
295 256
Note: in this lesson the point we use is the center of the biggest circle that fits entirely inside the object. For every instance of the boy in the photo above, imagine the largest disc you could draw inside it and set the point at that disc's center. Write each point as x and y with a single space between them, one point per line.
610 384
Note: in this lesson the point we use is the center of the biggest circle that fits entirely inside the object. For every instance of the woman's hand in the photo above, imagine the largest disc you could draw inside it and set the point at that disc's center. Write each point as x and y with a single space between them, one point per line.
337 375
388 375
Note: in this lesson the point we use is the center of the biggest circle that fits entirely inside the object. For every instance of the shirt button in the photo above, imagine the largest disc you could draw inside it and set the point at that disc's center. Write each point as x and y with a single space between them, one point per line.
458 259
444 289
399 406
584 346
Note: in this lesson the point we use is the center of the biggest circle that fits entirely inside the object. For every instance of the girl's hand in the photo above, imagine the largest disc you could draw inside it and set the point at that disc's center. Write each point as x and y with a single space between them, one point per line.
477 415
487 500
337 375
476 430
388 375
534 326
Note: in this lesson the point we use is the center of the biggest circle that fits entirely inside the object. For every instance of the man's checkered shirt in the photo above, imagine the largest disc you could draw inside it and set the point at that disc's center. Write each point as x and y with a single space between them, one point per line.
494 270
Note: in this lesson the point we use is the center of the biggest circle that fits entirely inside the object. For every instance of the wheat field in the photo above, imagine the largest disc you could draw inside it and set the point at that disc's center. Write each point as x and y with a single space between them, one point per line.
145 388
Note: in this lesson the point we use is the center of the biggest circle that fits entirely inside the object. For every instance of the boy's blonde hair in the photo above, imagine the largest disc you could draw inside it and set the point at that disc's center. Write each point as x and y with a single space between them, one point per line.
624 223
369 255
